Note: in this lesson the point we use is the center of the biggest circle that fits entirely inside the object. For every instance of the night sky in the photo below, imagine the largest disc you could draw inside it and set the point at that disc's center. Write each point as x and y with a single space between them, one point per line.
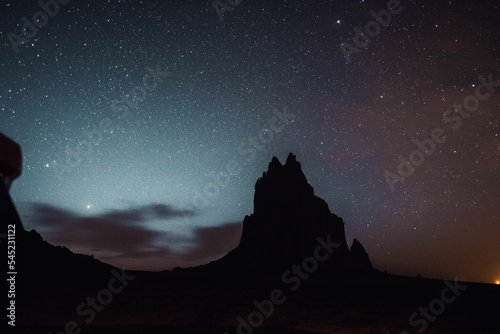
127 110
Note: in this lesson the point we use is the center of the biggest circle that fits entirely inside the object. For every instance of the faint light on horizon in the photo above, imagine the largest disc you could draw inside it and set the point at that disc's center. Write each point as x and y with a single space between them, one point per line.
497 282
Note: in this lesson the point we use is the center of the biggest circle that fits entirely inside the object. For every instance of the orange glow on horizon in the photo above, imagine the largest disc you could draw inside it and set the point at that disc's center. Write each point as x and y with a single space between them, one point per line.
497 282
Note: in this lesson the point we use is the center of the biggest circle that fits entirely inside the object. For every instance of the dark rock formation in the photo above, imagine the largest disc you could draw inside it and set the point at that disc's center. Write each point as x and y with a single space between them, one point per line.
286 223
11 162
359 257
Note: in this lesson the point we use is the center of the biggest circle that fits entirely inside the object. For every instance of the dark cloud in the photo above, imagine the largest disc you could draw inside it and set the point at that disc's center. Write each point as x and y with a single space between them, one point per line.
121 237
211 242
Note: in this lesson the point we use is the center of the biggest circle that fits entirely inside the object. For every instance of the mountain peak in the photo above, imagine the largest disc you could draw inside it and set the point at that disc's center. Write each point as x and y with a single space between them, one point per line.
291 159
281 185
359 257
274 165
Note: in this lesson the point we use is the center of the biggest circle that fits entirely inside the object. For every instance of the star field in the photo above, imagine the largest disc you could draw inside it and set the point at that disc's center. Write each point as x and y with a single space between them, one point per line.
130 107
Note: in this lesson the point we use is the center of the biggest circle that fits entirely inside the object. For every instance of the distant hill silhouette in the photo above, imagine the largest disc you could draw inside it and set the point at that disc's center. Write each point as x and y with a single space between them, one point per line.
43 267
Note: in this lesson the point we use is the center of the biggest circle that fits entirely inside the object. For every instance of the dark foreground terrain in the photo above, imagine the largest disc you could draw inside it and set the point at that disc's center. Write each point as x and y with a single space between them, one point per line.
188 303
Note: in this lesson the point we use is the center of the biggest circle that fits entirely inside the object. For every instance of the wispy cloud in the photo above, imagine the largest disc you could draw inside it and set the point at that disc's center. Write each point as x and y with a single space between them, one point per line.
123 237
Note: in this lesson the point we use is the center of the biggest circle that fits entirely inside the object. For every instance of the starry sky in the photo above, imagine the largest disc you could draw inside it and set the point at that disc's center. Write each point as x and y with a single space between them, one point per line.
145 124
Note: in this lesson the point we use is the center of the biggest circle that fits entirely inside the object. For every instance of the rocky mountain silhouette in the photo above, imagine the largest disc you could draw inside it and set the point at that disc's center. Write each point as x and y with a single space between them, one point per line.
287 220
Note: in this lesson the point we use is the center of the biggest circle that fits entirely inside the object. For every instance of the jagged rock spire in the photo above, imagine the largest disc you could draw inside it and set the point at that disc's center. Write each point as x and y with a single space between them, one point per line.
288 217
281 185
291 159
359 257
286 223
